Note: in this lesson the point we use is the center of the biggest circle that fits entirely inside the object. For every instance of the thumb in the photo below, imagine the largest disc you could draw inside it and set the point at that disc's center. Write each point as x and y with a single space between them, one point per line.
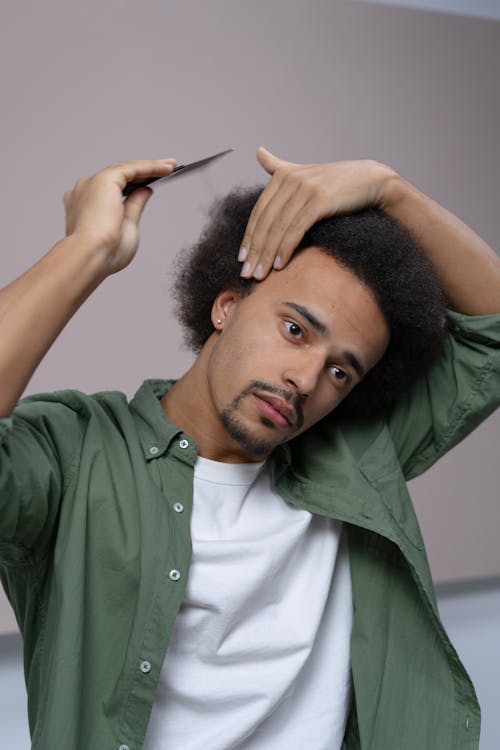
267 160
135 204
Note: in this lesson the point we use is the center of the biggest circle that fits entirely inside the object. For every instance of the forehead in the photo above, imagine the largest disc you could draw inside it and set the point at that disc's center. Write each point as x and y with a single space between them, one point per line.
315 276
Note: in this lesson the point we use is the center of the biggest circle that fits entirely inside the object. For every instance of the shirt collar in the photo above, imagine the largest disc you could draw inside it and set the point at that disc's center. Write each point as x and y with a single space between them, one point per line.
157 433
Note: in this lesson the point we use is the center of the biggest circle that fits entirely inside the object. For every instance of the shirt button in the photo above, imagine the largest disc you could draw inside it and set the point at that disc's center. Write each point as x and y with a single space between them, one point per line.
174 575
178 507
183 443
154 450
145 667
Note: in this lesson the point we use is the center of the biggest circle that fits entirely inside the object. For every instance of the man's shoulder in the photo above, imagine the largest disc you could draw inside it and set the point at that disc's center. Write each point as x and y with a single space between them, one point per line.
54 402
61 411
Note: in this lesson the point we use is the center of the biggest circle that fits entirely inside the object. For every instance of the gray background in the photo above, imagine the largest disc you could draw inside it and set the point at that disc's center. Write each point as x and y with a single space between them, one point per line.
85 84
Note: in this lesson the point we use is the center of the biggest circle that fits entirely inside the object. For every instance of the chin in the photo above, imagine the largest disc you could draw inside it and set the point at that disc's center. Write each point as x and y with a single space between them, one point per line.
254 442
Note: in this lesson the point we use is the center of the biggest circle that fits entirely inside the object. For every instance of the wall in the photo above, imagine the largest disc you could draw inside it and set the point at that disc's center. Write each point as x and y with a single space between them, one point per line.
83 85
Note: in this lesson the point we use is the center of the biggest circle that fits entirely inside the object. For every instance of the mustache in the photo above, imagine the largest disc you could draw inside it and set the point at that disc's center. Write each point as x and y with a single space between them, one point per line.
291 398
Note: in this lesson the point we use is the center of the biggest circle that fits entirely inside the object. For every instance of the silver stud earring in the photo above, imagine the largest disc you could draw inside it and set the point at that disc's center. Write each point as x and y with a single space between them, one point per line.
219 321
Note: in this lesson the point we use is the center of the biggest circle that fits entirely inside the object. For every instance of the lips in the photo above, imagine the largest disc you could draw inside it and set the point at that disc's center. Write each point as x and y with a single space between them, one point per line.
276 409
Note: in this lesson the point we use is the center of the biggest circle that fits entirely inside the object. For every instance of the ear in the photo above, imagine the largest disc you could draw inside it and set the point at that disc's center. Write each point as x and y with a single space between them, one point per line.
223 307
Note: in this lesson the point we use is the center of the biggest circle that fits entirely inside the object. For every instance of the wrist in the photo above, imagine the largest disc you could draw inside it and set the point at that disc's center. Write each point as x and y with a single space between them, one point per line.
97 258
394 188
86 257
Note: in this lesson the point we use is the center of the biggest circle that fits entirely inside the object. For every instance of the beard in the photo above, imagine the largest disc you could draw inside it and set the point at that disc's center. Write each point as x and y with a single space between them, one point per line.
258 446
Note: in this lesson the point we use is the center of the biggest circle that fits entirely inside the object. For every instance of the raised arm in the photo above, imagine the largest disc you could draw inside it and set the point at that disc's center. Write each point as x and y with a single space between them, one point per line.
298 195
102 238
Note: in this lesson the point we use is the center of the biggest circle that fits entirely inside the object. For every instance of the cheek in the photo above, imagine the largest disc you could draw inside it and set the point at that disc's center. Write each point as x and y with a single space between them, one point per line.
250 344
325 400
235 360
241 354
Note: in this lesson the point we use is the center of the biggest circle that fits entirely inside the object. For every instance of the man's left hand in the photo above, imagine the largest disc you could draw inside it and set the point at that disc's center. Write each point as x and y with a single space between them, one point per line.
299 195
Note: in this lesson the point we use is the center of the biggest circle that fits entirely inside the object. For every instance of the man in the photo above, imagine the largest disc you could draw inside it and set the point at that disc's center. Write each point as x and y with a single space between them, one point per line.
309 603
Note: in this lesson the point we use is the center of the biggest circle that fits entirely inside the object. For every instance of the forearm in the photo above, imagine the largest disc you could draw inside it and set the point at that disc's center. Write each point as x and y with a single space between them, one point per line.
102 238
35 308
469 270
298 195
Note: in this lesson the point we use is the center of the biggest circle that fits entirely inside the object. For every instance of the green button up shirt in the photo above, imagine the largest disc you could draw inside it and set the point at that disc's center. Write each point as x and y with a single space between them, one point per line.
95 549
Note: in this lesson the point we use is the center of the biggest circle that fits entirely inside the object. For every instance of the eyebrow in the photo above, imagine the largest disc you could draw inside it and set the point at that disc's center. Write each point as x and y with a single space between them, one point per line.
355 363
348 356
308 315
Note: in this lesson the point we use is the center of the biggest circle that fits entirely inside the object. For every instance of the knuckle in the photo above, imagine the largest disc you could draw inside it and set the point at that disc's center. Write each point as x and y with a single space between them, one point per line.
315 189
284 172
291 177
257 238
266 257
251 223
254 252
280 226
250 227
253 249
276 232
318 190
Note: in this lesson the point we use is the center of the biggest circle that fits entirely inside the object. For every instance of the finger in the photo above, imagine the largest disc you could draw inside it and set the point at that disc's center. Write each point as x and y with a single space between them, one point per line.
297 227
261 245
283 235
266 159
271 163
260 220
263 200
135 204
270 229
134 171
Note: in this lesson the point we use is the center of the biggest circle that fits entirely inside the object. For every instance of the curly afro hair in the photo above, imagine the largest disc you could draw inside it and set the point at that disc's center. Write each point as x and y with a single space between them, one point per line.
373 246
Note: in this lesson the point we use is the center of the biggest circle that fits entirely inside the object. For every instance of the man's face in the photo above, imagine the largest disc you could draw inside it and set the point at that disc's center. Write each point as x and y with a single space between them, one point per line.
292 350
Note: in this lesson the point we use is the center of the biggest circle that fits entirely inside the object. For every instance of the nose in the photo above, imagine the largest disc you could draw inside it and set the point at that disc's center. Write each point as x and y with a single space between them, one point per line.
303 375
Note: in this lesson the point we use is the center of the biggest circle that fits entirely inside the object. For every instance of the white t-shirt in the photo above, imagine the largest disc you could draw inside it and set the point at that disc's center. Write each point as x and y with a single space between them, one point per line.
259 653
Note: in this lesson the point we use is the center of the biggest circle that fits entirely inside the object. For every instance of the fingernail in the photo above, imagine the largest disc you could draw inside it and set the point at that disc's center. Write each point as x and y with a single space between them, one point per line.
246 269
259 271
277 262
242 254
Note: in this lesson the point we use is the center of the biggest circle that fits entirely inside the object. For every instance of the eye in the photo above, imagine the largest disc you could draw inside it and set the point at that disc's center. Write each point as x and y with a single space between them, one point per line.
294 329
340 375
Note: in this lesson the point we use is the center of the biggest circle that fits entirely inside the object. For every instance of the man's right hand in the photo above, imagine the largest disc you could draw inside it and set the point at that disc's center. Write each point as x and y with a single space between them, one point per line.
97 214
102 238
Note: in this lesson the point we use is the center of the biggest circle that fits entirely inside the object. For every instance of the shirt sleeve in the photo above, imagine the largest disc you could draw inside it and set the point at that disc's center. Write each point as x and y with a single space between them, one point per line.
39 452
459 391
